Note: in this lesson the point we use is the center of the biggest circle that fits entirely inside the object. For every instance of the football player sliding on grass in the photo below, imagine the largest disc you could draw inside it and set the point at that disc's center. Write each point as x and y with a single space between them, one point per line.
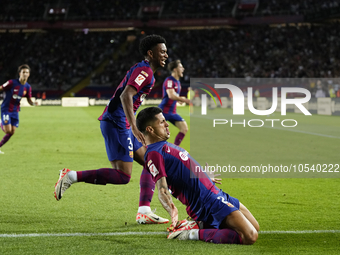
217 216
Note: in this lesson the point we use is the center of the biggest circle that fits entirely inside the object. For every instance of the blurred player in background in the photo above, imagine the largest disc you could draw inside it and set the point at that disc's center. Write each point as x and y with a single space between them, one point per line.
123 141
223 219
13 91
171 94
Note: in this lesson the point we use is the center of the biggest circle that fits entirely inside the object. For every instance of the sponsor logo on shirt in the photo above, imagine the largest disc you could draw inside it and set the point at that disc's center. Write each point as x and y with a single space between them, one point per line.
153 170
139 79
184 155
145 73
16 96
149 162
169 83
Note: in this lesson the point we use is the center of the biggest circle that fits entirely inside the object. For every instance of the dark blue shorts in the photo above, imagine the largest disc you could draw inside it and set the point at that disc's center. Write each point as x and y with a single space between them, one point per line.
219 206
172 117
120 143
10 118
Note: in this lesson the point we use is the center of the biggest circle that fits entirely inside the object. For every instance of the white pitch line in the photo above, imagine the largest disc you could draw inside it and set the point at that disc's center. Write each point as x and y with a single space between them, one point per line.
299 231
152 233
82 234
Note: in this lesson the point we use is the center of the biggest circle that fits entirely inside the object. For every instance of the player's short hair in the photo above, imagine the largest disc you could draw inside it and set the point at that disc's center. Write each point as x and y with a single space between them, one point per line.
24 66
148 42
174 64
146 116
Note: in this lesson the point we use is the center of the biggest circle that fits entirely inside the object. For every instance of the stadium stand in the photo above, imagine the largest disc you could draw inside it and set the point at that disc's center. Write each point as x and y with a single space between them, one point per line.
61 58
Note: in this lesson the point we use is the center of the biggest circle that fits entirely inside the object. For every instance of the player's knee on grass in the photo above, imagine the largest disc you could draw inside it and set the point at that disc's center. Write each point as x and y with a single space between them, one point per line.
238 222
249 216
250 237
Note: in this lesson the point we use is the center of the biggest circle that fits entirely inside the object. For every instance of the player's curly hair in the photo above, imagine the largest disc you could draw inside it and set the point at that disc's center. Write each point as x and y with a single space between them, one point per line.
148 42
24 66
174 64
146 116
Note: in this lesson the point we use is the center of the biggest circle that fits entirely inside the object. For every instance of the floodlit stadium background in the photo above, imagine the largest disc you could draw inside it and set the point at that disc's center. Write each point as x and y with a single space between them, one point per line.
79 52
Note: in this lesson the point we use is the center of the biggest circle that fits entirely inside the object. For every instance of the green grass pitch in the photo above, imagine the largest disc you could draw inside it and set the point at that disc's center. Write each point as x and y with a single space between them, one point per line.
51 138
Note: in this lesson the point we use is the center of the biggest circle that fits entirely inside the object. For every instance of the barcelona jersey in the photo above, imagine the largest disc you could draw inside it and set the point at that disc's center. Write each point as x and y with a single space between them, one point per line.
185 180
140 76
12 94
168 105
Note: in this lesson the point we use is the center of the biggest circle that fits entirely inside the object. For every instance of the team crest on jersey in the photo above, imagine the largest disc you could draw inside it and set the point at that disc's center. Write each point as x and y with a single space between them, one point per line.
24 92
153 170
169 83
145 73
131 154
139 79
184 155
229 204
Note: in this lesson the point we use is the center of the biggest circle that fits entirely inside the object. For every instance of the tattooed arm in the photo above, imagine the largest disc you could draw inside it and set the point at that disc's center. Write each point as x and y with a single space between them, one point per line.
165 198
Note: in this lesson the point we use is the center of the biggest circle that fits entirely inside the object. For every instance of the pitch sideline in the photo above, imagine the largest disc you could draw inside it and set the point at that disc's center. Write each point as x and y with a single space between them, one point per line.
153 233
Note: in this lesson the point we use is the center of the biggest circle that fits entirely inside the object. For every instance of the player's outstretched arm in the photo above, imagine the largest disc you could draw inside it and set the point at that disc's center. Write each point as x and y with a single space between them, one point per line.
165 198
174 96
127 102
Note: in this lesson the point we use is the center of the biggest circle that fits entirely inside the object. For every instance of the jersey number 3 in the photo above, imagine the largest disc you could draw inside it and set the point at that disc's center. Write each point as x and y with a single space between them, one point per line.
130 147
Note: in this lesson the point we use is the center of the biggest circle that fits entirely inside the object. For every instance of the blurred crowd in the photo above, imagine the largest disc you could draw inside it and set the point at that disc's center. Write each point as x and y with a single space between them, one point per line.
188 8
268 7
33 10
260 51
57 59
305 51
60 59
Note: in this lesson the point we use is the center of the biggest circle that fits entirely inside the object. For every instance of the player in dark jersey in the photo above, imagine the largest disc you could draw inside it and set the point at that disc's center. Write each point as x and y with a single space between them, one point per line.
13 91
171 94
123 141
224 218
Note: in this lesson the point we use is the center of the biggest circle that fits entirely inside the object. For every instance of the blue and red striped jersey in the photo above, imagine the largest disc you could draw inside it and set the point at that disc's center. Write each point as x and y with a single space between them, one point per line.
185 178
168 105
140 76
12 94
